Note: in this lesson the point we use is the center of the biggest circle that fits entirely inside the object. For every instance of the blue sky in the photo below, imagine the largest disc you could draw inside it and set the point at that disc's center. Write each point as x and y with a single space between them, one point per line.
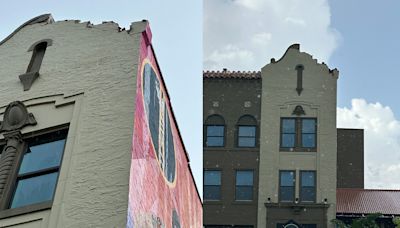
367 55
359 37
177 40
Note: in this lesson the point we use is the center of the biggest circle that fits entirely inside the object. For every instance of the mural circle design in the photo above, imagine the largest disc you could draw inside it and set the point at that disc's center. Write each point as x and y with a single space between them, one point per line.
159 122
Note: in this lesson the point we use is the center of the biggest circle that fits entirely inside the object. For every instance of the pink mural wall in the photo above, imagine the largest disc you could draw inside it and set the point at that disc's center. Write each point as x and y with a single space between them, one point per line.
162 192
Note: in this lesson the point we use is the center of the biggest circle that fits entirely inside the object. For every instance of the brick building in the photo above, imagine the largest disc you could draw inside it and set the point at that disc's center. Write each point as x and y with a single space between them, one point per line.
273 156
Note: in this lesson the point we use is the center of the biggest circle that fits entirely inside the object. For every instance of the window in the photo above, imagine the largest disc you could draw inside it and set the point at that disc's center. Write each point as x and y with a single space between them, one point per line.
212 185
38 173
247 136
215 131
247 127
244 185
34 183
37 57
307 190
32 73
215 136
287 183
298 134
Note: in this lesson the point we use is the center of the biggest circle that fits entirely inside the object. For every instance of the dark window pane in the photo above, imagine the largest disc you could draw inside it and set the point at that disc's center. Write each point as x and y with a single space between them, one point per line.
244 193
287 194
307 194
244 178
212 185
215 136
287 183
308 126
287 178
308 140
34 190
247 136
308 178
212 177
42 156
249 131
288 140
288 125
212 192
215 130
246 142
307 191
215 141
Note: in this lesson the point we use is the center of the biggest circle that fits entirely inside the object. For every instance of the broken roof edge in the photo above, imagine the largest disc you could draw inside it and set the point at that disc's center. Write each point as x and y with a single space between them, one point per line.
135 27
293 46
47 18
334 72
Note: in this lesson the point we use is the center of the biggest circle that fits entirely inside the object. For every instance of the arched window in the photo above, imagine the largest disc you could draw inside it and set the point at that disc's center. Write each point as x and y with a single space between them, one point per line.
247 131
38 50
214 131
37 57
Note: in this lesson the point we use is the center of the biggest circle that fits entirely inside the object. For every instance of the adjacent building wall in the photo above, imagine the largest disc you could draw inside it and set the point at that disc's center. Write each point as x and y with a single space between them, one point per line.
350 158
279 99
162 192
227 97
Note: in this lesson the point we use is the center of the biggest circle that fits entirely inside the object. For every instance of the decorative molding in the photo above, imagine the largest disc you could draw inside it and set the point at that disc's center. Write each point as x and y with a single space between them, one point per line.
27 79
16 117
49 42
298 111
7 160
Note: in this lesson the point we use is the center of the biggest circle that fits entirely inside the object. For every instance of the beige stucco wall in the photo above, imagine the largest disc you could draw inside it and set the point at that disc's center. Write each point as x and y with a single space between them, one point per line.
279 98
91 70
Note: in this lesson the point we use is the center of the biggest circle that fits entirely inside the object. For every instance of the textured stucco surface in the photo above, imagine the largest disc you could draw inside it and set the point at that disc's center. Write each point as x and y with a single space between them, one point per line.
279 98
100 63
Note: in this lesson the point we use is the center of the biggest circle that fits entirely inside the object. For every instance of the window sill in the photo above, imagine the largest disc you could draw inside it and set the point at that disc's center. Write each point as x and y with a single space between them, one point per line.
214 147
25 210
297 149
232 149
243 202
293 204
212 202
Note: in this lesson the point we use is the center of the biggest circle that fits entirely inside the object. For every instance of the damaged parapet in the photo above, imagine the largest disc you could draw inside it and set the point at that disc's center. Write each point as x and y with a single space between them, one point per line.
136 27
296 47
40 46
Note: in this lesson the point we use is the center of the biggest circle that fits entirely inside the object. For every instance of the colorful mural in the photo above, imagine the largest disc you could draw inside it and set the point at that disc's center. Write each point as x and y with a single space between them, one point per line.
162 192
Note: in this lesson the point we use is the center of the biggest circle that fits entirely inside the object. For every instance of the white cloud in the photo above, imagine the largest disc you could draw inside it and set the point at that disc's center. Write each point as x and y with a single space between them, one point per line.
230 54
295 21
261 39
265 28
381 141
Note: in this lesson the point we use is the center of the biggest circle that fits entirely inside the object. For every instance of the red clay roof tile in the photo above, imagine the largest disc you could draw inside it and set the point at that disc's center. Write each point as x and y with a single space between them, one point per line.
232 74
